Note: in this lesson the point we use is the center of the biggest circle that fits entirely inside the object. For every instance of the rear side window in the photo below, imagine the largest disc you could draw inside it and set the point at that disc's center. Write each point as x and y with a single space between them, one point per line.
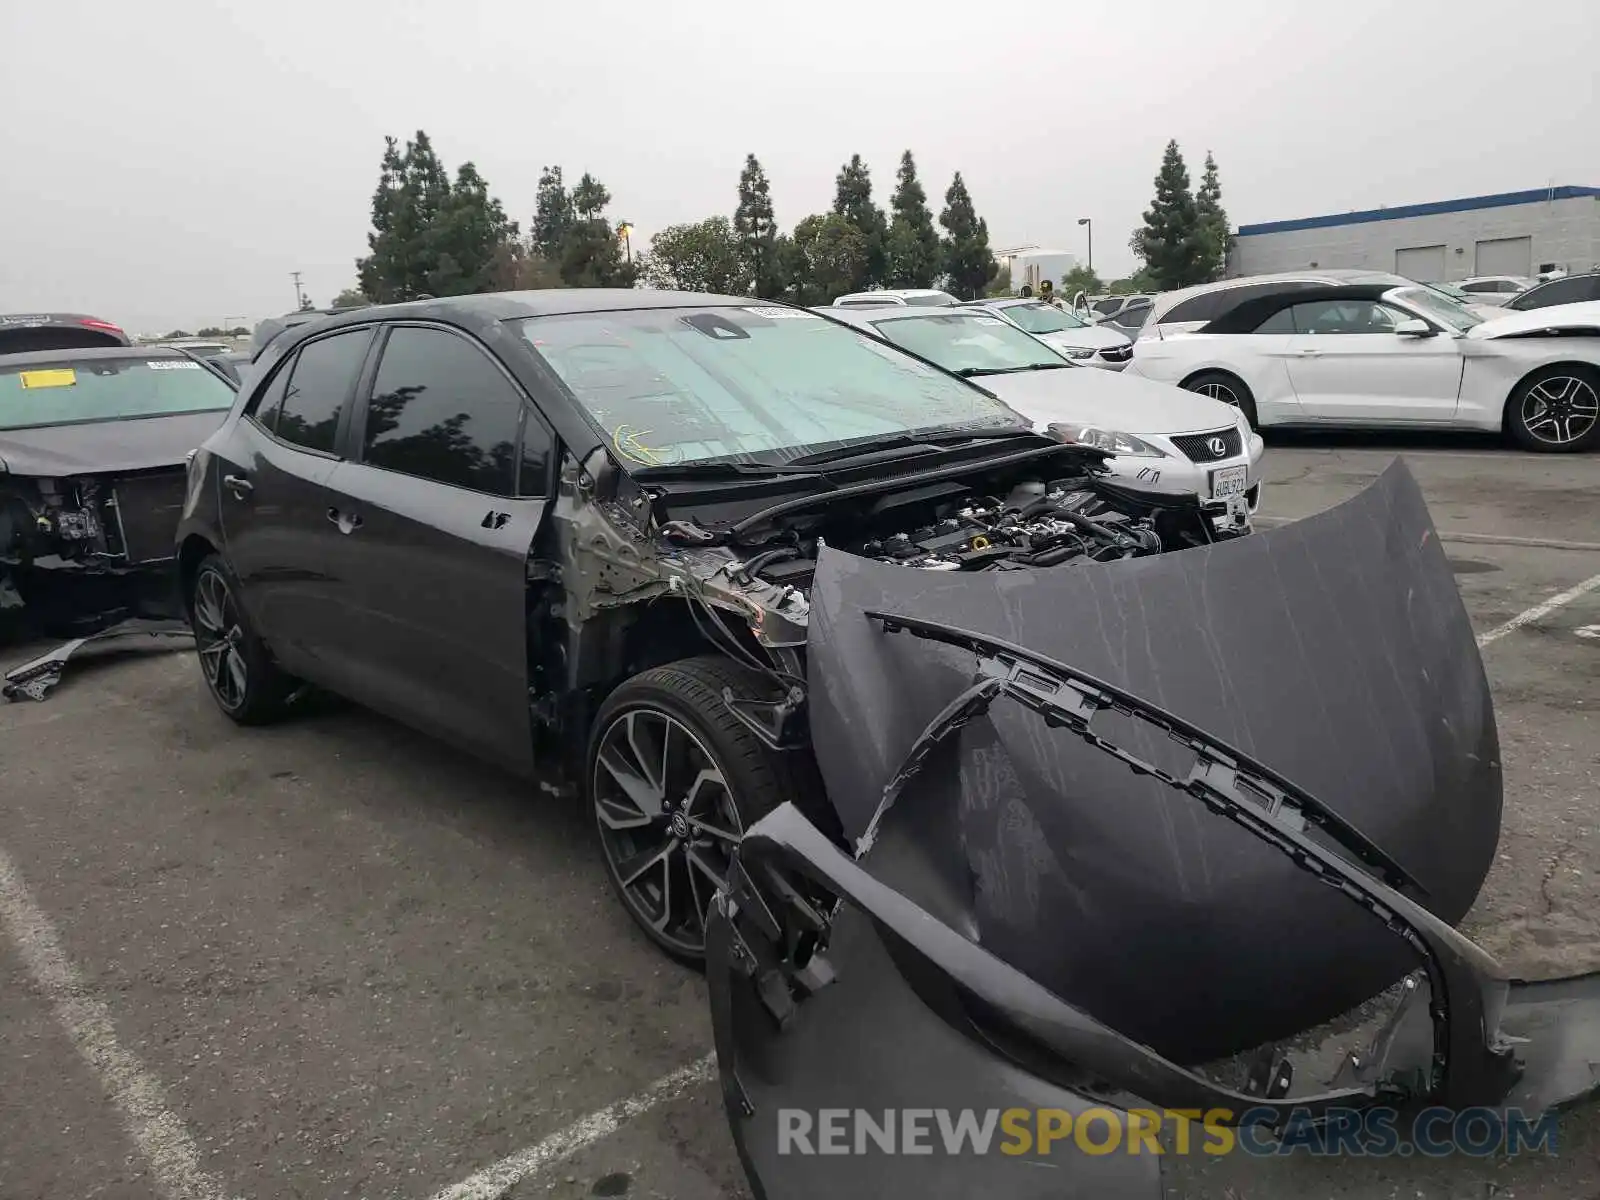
320 384
442 410
26 339
1208 306
1560 291
1281 321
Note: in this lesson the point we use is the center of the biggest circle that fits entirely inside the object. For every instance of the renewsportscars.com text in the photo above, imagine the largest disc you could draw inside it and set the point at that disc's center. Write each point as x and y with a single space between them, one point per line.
1364 1132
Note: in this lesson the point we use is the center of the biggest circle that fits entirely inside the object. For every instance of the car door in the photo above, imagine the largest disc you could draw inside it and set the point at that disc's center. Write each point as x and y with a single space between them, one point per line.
438 507
1348 366
273 474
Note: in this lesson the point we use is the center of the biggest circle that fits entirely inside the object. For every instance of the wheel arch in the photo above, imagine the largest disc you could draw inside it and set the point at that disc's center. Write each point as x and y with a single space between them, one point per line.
191 553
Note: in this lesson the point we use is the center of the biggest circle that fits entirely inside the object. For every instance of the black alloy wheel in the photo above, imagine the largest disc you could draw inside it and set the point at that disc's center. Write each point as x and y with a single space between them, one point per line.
238 671
674 780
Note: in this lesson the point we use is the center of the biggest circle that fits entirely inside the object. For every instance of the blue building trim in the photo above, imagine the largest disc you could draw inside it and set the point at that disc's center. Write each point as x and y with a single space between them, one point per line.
1501 200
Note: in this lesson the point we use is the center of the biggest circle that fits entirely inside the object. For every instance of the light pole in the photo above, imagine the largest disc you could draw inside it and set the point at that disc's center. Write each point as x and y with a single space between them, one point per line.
1087 222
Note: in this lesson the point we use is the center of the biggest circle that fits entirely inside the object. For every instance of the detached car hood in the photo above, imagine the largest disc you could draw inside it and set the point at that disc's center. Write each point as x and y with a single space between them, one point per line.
1115 400
1090 822
1335 650
106 447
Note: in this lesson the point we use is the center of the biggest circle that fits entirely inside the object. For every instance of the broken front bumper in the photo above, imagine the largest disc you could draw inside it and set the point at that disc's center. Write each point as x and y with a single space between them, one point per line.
1066 881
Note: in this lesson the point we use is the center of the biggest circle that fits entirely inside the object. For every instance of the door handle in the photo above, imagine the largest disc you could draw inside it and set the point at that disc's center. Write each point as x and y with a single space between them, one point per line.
347 522
239 485
1308 353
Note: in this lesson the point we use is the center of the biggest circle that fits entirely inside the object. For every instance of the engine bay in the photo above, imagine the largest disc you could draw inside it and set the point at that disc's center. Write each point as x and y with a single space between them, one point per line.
957 527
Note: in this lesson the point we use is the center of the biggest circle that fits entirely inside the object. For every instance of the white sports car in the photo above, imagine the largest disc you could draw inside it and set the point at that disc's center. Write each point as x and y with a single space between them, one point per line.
1372 356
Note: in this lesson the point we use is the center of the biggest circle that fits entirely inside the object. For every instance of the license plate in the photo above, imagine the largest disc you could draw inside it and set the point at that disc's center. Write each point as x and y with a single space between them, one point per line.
1229 481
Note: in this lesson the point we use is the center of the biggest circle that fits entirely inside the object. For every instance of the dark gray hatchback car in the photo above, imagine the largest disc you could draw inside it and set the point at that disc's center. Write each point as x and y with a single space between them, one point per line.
530 523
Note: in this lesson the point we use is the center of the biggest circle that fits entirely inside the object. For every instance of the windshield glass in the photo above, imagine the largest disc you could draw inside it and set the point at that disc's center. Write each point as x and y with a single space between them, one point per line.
1451 290
106 389
969 342
1438 306
1042 318
674 385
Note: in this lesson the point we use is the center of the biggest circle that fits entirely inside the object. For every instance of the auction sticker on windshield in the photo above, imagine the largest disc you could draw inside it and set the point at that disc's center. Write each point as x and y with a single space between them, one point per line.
172 365
57 377
778 314
1229 481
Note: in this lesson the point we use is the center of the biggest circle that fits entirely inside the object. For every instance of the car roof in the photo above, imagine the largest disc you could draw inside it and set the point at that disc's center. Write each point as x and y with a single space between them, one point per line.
898 312
90 354
1245 316
1167 301
488 308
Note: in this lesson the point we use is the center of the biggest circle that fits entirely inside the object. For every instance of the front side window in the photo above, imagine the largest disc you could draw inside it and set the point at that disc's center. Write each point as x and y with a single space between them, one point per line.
72 390
1037 317
442 410
674 385
1346 316
320 383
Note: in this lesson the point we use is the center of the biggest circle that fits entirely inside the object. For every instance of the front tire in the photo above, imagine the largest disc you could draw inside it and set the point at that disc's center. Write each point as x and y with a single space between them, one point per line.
1229 388
1556 410
674 779
239 672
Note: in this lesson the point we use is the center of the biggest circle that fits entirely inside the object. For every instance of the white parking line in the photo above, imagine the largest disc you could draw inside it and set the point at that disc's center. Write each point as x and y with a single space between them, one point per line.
495 1181
1539 610
173 1158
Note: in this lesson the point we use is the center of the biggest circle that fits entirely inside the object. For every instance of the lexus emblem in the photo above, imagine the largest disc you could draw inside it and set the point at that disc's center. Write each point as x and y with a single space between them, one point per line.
1217 446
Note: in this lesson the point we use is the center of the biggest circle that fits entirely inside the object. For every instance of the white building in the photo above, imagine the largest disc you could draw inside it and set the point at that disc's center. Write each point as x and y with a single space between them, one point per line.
1032 265
1513 233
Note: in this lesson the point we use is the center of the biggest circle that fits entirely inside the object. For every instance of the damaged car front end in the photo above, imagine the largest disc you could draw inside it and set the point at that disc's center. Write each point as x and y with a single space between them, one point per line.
93 443
1103 829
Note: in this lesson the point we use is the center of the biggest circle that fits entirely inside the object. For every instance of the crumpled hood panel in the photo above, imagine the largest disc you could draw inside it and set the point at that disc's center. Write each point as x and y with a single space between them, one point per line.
1335 650
103 447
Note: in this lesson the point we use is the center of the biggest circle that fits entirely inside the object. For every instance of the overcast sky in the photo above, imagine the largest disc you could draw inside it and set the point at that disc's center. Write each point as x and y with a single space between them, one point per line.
169 164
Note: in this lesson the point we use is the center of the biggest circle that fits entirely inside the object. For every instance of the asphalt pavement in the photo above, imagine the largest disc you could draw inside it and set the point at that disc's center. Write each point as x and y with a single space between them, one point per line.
332 959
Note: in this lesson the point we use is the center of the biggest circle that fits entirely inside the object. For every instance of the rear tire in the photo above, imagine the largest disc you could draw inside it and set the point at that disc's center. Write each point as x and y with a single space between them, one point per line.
673 779
1556 410
239 672
1229 388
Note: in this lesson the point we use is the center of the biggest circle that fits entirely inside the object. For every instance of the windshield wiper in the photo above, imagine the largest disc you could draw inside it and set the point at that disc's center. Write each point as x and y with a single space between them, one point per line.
978 372
720 470
926 441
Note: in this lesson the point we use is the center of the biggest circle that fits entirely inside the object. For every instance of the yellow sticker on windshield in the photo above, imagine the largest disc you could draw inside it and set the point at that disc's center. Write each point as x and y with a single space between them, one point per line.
58 377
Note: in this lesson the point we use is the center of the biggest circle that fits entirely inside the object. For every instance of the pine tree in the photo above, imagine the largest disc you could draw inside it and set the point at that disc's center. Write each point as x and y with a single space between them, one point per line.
1212 221
429 236
757 228
968 262
912 252
589 197
852 200
553 215
1169 243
